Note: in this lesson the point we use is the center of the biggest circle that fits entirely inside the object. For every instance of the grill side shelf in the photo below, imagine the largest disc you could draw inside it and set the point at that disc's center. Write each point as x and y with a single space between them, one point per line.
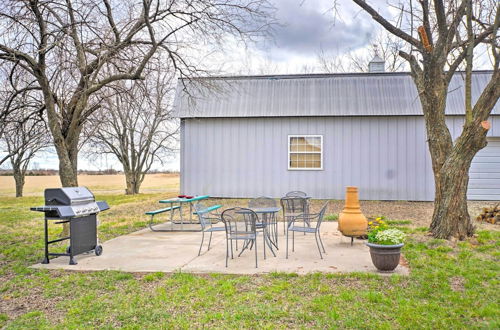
55 211
103 206
43 208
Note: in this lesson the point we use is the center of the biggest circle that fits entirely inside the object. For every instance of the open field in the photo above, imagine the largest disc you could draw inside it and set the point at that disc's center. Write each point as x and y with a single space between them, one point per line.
99 184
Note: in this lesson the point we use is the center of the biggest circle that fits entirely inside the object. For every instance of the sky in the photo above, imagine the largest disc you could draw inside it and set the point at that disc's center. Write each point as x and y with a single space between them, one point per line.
306 27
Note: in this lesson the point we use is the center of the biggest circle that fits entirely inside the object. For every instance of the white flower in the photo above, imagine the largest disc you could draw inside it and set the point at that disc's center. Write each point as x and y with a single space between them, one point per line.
390 237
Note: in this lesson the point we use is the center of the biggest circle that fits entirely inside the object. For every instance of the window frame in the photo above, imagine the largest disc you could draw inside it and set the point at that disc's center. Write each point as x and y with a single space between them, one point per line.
289 152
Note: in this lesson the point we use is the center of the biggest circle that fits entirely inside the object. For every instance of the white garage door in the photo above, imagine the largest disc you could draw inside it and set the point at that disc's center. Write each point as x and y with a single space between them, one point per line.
484 182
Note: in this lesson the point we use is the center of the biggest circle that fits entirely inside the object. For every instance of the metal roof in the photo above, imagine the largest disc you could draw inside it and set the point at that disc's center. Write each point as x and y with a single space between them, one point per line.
364 94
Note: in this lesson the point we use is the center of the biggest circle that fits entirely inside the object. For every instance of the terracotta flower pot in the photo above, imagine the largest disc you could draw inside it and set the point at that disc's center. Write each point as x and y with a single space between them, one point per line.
385 257
352 222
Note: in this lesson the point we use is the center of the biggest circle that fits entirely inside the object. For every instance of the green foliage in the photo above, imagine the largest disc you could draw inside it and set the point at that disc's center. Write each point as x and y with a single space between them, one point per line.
379 232
375 226
331 217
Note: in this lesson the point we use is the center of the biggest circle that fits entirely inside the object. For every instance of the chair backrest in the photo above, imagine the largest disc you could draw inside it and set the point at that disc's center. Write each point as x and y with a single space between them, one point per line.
202 216
321 214
296 193
261 202
293 205
239 220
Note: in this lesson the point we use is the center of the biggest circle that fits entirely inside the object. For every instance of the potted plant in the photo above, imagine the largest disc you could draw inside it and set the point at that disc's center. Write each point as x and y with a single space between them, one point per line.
385 245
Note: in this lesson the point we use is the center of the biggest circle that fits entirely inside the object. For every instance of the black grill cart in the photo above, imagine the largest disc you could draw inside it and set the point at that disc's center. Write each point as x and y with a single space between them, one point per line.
77 207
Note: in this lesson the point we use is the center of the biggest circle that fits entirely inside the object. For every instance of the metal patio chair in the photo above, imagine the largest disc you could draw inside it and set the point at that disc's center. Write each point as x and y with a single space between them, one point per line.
296 193
319 219
240 224
207 218
293 206
271 218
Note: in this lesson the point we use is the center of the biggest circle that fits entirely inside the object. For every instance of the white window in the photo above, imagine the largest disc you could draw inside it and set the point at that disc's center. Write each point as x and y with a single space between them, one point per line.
305 152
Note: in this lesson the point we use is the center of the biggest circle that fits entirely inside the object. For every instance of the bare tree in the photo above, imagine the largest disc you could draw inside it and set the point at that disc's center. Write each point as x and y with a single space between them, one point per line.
449 31
69 46
136 125
25 139
384 45
20 102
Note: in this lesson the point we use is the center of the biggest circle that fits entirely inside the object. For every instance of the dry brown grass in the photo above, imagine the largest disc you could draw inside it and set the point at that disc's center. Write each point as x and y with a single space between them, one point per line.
99 184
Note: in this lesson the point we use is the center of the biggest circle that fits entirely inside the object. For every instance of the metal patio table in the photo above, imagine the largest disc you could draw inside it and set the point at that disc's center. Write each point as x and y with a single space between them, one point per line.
181 201
268 213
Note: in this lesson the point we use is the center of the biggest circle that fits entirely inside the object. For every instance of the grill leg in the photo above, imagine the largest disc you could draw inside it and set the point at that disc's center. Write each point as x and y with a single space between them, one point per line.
46 234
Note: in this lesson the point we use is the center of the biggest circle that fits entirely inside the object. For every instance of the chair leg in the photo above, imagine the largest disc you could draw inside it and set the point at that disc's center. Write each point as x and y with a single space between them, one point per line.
210 241
202 239
287 244
256 252
232 257
352 240
321 241
263 241
275 232
293 241
317 243
242 248
227 249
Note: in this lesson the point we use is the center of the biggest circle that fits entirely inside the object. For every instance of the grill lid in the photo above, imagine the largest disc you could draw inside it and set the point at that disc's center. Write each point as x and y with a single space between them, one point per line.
68 196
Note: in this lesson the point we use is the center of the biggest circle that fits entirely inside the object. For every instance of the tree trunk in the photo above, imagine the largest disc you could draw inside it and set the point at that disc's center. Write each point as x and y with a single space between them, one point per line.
19 178
451 217
450 163
68 163
133 183
65 134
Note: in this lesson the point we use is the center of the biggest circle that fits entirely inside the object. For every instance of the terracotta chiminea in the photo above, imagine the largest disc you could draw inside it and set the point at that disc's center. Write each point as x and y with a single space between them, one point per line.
352 222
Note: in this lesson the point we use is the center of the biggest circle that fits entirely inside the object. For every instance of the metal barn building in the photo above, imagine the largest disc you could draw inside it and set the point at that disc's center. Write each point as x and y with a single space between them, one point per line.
266 135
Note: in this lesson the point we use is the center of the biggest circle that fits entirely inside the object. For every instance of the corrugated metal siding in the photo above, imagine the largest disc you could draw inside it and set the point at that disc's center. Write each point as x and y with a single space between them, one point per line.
484 181
387 94
386 157
248 157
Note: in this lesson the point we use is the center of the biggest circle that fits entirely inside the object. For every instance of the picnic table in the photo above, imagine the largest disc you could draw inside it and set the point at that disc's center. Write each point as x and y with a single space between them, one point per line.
176 204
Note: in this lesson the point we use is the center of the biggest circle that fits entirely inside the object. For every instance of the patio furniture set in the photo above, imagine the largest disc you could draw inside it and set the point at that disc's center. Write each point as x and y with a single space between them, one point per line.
247 224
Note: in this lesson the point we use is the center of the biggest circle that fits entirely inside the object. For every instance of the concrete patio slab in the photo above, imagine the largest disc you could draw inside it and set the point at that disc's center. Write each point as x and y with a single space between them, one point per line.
147 251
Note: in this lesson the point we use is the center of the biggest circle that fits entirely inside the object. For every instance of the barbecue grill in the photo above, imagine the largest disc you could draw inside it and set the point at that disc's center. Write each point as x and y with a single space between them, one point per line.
76 206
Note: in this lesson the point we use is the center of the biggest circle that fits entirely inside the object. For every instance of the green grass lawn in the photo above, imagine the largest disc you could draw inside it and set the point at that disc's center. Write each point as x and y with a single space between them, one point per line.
452 285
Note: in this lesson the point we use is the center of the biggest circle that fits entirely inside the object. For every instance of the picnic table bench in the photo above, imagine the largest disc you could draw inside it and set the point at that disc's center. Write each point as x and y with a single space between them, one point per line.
172 208
159 211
